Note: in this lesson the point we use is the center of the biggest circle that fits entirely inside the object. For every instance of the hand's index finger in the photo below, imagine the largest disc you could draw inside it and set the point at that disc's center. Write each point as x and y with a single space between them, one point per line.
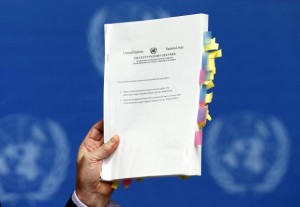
93 140
96 132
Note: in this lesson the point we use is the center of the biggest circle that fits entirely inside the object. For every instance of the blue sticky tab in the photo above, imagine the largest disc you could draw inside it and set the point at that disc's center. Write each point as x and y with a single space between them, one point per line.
204 60
207 37
207 78
203 92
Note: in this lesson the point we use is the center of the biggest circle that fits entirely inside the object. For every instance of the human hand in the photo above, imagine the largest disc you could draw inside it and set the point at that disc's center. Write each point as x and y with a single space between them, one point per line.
89 189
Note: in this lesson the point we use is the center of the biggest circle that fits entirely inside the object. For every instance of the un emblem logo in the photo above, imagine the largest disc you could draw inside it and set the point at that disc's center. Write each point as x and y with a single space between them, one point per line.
153 50
128 11
33 160
247 152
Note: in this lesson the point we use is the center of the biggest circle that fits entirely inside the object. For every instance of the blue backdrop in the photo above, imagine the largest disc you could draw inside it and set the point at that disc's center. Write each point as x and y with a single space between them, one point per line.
51 92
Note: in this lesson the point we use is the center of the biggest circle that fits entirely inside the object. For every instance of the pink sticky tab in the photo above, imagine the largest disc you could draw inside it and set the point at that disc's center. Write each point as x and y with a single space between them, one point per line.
202 76
202 104
198 137
201 114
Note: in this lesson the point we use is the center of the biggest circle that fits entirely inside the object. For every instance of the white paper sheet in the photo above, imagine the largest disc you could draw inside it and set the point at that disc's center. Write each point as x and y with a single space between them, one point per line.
151 96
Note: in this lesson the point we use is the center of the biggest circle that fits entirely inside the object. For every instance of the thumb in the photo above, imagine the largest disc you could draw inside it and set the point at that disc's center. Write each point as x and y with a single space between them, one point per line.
107 148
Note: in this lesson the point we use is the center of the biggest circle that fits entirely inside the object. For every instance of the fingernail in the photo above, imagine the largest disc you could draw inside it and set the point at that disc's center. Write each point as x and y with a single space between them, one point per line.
114 139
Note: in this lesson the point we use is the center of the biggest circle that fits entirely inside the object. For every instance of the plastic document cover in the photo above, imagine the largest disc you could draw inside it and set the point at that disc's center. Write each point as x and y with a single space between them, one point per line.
151 96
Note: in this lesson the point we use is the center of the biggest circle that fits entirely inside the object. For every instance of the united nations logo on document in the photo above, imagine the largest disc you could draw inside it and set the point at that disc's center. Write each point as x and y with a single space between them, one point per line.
153 50
122 12
247 152
33 160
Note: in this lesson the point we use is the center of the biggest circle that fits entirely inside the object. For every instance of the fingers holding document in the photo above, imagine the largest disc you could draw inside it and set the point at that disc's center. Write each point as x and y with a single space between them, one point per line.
89 188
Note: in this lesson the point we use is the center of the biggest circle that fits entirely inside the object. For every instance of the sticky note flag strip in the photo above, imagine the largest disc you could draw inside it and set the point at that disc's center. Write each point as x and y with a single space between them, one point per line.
208 70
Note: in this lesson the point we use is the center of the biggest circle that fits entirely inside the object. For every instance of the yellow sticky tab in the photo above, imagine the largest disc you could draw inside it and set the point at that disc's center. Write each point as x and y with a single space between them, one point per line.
208 97
215 54
209 84
218 54
213 70
115 185
208 117
213 46
126 186
211 76
212 55
184 177
139 179
211 63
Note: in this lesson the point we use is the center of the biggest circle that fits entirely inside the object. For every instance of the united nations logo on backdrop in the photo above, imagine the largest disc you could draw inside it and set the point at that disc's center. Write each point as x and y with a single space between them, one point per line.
126 11
247 152
33 160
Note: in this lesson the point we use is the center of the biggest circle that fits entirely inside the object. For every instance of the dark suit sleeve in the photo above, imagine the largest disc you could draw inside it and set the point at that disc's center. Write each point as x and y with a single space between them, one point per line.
70 203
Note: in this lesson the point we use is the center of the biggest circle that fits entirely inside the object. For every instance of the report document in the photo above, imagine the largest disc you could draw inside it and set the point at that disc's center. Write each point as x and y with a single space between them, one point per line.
151 96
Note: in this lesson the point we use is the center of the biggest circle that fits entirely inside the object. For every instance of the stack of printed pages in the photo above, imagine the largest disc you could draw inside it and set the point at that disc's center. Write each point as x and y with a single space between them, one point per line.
151 96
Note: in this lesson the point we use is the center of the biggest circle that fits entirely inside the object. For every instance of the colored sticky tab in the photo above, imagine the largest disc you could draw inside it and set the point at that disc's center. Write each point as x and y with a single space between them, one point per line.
202 104
207 37
126 183
198 137
218 54
211 76
139 179
201 124
207 75
201 114
204 59
213 70
208 117
212 45
211 63
208 97
212 55
209 84
215 54
184 177
202 76
203 92
115 185
202 99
